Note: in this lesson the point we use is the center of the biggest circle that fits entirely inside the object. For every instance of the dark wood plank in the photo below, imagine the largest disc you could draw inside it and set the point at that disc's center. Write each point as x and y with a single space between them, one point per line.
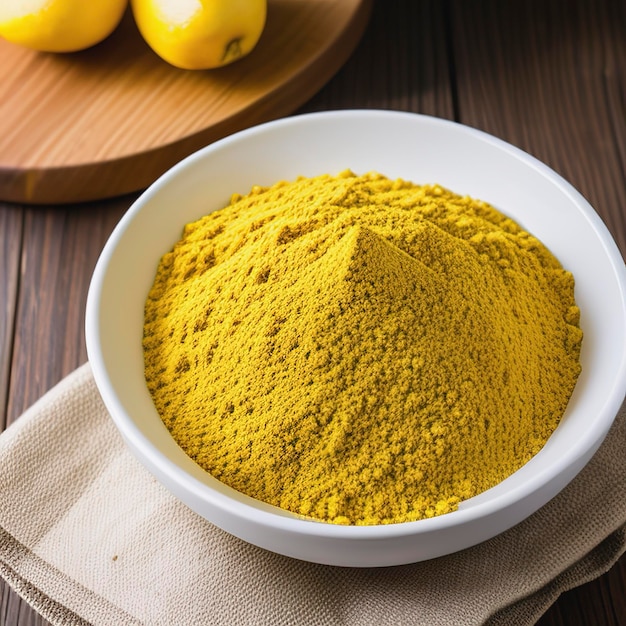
548 76
13 610
10 247
60 249
402 63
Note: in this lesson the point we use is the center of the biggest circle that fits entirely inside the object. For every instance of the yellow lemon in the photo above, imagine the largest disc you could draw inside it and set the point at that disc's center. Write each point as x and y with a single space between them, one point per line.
200 34
59 25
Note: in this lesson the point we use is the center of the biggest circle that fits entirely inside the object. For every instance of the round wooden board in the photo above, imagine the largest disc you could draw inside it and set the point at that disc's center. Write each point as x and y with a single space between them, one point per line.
109 120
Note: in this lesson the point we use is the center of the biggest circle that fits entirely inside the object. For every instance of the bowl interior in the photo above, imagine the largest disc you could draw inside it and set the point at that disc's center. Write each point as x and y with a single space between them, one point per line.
417 148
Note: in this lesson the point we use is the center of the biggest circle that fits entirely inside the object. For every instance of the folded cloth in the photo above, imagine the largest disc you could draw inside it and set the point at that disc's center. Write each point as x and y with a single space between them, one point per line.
88 536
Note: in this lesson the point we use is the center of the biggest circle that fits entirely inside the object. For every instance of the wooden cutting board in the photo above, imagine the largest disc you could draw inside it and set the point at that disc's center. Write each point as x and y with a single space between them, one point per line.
109 120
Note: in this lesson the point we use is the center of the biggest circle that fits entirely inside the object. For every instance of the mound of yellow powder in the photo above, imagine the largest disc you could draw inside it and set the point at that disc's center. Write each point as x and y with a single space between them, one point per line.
360 350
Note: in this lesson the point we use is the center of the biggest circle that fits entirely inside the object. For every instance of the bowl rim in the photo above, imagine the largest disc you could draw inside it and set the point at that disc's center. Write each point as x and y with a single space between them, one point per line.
153 457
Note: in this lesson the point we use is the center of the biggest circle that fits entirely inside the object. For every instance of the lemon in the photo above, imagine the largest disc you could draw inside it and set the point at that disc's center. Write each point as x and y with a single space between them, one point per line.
59 25
200 34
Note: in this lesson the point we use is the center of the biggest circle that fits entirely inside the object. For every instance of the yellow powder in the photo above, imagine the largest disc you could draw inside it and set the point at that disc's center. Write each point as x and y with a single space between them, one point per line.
360 350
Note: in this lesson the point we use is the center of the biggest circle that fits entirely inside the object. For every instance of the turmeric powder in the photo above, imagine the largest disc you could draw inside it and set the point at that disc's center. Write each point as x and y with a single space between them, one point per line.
360 350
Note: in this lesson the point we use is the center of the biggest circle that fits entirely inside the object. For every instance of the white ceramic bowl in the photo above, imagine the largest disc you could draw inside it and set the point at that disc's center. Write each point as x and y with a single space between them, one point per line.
418 148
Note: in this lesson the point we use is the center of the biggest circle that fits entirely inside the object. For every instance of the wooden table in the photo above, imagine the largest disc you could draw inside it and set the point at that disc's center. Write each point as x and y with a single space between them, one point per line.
546 75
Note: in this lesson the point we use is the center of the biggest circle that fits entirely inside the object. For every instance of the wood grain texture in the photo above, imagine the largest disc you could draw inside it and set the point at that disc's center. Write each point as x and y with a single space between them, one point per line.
554 87
10 248
14 611
108 120
402 63
59 251
547 75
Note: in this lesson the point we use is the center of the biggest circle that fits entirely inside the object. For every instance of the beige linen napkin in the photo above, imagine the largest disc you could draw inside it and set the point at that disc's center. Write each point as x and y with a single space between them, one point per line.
88 536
